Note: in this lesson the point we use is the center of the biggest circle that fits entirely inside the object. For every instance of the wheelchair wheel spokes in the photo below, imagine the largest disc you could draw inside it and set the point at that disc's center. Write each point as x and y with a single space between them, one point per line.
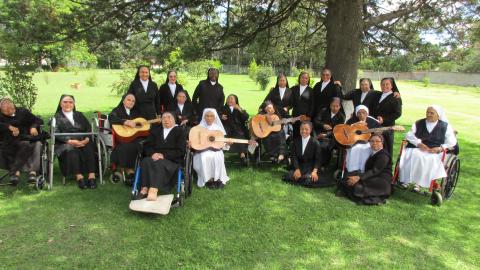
451 179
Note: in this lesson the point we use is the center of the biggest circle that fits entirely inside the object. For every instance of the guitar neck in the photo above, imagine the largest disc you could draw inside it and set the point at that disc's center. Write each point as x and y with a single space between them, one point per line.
375 130
285 121
156 120
232 140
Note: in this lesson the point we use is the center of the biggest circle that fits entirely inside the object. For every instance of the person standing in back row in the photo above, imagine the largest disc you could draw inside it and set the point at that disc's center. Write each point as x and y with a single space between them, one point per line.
209 93
146 94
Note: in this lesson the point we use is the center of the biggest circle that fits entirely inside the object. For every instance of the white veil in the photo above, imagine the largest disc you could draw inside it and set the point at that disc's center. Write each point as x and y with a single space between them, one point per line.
217 124
440 112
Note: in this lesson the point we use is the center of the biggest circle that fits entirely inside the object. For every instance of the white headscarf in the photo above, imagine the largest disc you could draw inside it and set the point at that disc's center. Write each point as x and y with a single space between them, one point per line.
440 112
361 107
217 124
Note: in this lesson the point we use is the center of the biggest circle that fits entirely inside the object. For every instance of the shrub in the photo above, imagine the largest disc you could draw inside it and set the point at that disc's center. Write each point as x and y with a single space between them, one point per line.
199 68
18 85
264 73
426 81
92 79
252 70
120 86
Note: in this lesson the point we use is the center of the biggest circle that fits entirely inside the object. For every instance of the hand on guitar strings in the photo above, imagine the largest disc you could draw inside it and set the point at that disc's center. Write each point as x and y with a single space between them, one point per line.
130 123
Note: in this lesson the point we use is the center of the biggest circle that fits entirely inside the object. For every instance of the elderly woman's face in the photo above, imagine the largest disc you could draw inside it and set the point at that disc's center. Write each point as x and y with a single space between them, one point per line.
335 106
231 101
326 75
386 86
8 108
172 77
209 118
362 115
129 101
305 130
181 98
376 143
364 86
143 73
269 109
167 120
432 115
67 104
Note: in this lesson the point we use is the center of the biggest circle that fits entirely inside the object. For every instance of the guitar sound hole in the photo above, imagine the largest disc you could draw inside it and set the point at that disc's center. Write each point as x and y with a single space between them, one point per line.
211 138
138 125
358 132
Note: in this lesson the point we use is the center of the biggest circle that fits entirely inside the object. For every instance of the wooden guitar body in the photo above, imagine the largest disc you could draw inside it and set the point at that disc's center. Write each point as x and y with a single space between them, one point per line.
127 134
201 138
261 128
348 135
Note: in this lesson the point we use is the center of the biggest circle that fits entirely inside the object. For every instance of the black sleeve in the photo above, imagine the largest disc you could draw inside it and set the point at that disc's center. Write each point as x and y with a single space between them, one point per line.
180 144
267 97
396 113
195 97
85 124
59 128
349 95
221 98
318 155
114 118
244 116
149 144
131 89
380 163
295 162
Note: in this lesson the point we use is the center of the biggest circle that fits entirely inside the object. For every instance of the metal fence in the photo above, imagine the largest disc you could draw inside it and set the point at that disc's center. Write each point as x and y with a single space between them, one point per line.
453 78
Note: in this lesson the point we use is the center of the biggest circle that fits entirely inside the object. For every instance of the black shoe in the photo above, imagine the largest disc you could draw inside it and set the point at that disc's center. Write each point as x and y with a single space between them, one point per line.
92 183
340 193
14 180
243 160
175 203
219 184
32 178
82 183
130 179
210 184
140 196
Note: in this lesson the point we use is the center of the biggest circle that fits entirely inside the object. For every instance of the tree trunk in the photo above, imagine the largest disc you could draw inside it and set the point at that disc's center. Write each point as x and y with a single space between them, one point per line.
344 25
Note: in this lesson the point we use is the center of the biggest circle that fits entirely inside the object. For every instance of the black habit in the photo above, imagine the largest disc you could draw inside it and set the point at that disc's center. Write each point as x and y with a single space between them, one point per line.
186 113
207 95
322 98
165 98
161 173
275 143
374 186
390 109
235 126
74 160
327 143
20 153
280 103
146 103
301 105
124 154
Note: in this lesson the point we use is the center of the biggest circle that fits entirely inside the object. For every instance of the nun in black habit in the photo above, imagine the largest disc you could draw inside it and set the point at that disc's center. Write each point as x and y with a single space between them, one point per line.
168 91
208 94
275 142
76 152
124 154
234 120
164 150
183 110
146 94
280 96
19 131
302 100
373 186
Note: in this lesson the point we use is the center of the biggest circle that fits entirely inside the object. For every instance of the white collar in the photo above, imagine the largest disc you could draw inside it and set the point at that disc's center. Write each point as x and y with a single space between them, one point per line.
302 87
324 84
374 152
127 110
166 131
144 84
231 108
306 139
172 84
332 114
213 83
69 116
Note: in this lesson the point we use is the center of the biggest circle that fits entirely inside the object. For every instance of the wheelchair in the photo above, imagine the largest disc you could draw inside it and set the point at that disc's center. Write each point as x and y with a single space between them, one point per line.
43 173
184 178
441 189
259 154
101 149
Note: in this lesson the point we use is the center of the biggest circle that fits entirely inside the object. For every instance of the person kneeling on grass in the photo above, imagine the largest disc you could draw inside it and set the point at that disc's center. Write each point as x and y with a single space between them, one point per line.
373 186
165 150
306 158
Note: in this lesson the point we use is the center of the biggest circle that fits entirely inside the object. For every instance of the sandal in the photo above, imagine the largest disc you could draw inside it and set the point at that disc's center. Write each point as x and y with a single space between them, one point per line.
14 180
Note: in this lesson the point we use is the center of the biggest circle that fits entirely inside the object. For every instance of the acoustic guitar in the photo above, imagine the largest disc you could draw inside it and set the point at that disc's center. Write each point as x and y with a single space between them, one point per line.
126 134
348 135
201 138
261 128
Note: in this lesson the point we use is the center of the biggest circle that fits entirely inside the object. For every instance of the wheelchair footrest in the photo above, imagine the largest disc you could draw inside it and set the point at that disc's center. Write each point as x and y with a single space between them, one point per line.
161 206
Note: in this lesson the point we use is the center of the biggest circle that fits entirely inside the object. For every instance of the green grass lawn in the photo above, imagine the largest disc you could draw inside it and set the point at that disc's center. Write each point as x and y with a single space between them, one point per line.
257 221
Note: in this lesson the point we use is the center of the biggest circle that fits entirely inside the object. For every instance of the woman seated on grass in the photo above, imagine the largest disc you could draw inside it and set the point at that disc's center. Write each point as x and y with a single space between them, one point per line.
359 152
422 160
275 142
210 164
306 160
164 150
373 186
125 154
76 152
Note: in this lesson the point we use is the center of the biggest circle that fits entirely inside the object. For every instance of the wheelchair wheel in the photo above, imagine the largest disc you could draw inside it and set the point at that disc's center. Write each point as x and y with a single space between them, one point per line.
337 174
40 182
436 198
116 177
104 156
188 173
450 182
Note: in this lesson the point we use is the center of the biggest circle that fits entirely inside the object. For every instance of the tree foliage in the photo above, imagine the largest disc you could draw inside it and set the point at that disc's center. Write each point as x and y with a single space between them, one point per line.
17 84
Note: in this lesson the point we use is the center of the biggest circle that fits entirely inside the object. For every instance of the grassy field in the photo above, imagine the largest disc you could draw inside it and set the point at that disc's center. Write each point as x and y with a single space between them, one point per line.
256 222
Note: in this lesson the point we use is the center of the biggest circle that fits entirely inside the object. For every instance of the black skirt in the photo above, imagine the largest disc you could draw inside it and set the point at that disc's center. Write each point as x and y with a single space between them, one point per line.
275 144
22 156
74 160
125 154
158 174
